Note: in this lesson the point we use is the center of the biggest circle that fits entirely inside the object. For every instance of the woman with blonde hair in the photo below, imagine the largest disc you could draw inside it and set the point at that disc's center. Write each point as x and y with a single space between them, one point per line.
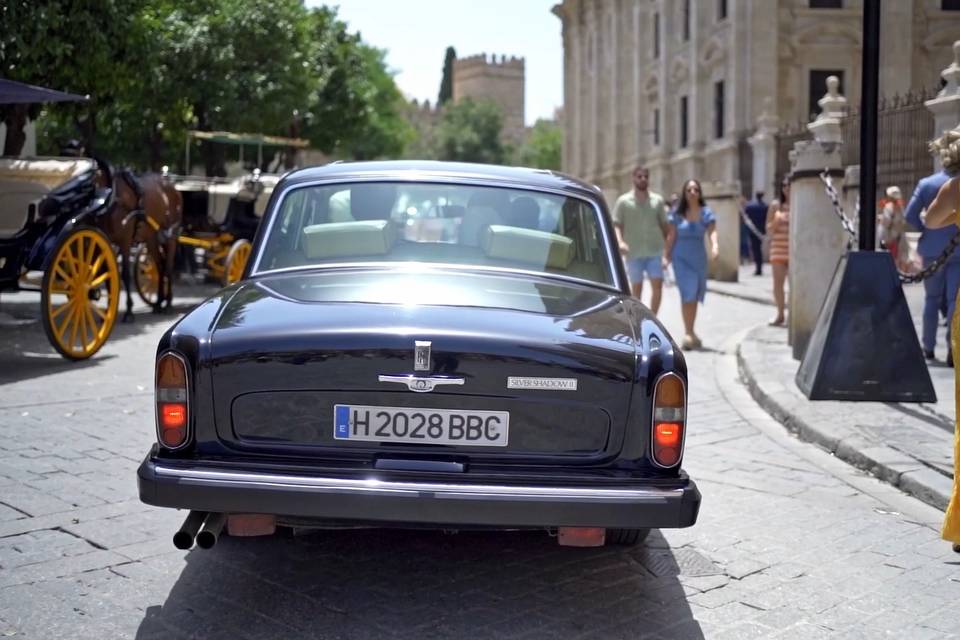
943 211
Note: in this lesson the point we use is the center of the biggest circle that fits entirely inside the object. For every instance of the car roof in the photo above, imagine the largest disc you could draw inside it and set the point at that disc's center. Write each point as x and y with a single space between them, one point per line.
429 170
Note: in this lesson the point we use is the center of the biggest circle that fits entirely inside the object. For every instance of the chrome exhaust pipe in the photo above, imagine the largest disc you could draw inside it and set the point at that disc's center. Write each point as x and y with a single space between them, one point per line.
210 531
183 539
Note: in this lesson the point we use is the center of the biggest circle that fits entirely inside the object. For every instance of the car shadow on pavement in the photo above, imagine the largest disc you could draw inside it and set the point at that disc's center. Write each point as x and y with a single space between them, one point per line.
424 584
25 351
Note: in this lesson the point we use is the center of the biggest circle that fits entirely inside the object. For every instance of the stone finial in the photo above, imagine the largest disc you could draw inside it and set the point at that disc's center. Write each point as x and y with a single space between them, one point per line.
951 75
832 104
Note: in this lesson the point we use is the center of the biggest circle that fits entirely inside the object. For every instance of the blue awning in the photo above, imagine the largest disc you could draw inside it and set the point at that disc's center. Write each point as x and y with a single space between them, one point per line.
13 92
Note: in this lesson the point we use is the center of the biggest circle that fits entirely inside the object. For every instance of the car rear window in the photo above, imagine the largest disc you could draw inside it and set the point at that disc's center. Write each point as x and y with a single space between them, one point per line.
437 223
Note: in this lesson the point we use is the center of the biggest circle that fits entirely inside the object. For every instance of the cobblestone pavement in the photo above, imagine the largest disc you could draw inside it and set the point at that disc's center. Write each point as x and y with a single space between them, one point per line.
791 543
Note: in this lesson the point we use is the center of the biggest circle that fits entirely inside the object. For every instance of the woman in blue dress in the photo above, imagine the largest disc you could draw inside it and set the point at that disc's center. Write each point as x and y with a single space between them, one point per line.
690 222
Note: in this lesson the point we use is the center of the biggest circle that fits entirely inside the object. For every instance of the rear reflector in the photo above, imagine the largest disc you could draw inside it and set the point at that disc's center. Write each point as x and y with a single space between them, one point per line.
669 420
173 409
581 537
251 524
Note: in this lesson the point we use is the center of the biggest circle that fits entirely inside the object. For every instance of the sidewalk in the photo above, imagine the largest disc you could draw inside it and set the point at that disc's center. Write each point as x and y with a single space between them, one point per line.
907 445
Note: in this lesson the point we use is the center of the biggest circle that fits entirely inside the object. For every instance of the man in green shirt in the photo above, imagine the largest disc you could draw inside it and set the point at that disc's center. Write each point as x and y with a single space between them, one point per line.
640 220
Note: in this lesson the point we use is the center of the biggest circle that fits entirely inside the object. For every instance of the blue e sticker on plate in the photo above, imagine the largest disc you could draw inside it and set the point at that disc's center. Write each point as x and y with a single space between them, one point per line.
342 421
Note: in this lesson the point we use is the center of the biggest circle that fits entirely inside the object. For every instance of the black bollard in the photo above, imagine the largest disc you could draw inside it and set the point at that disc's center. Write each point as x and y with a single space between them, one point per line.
865 346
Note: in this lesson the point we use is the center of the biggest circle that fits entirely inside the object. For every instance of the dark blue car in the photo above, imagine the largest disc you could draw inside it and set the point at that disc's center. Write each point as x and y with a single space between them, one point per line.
424 344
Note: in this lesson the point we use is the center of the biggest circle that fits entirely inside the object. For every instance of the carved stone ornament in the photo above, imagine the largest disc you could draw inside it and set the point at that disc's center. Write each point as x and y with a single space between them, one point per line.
952 75
832 104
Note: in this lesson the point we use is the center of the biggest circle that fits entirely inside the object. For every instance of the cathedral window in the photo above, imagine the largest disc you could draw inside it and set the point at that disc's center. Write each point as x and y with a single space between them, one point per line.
684 122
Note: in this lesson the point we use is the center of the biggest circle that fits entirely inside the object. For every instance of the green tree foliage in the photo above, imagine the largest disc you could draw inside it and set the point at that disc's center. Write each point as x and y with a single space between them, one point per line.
156 68
384 131
446 82
470 132
80 47
543 146
357 108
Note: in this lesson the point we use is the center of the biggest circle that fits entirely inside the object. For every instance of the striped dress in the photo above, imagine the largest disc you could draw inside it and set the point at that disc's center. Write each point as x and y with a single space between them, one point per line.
778 229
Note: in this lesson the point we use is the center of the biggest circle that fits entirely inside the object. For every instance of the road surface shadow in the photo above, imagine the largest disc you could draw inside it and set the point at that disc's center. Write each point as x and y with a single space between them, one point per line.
372 583
25 351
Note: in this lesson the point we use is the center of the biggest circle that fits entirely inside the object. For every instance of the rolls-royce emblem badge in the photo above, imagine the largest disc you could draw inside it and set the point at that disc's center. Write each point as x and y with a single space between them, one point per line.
420 385
421 356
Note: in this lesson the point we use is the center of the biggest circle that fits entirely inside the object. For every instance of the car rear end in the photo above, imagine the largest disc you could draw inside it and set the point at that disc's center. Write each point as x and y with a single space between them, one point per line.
447 396
316 437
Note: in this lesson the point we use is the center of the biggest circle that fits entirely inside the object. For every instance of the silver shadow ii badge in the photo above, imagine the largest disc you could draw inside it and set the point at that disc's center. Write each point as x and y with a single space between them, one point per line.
418 384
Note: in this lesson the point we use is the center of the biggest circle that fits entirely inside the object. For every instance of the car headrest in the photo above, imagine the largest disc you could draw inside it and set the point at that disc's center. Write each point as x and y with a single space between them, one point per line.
348 239
540 248
372 201
475 220
524 212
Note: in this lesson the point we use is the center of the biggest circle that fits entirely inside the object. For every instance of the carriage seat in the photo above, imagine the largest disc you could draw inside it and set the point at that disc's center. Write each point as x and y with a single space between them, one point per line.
268 182
25 181
219 199
258 193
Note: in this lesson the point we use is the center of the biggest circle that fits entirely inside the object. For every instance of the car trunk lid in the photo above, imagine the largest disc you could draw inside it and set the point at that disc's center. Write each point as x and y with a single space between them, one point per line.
289 349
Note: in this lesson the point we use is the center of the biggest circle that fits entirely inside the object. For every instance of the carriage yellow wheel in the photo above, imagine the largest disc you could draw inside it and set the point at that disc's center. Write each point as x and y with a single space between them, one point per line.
146 275
81 289
237 261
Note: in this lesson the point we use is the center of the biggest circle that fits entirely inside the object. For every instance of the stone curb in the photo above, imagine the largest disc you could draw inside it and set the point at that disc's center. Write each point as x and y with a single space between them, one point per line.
886 463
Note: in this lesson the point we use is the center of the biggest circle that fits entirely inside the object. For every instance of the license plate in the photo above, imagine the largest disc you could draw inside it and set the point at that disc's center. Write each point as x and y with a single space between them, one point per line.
425 426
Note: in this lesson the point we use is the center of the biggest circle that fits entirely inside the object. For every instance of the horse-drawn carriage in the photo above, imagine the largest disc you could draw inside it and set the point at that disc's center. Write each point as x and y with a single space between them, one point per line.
50 211
220 215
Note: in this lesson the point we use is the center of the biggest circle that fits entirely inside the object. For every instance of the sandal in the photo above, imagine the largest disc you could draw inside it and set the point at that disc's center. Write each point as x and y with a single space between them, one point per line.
777 322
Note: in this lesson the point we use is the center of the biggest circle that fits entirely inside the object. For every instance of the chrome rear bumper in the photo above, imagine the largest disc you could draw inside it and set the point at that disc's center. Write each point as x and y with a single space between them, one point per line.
440 503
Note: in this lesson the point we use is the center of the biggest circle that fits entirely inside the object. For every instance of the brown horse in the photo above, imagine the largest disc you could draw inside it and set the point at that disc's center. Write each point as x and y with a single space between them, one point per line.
149 210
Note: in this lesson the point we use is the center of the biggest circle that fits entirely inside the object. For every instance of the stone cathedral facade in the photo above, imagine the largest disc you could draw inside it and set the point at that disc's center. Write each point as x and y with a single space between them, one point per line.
679 85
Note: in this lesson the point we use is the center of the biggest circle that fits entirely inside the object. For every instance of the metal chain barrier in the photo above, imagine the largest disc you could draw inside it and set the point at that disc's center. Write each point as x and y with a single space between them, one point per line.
934 266
838 208
905 278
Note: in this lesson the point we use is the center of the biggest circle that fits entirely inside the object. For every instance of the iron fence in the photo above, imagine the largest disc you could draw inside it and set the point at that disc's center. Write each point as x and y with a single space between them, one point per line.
786 138
905 127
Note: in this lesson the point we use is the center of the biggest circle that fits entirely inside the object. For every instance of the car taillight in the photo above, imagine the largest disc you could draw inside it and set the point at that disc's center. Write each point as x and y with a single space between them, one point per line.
669 420
173 416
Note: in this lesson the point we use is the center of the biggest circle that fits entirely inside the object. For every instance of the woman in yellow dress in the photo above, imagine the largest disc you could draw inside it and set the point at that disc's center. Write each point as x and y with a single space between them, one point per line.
943 211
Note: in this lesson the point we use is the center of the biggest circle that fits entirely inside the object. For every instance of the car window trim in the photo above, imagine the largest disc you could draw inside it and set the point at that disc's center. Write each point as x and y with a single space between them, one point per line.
605 231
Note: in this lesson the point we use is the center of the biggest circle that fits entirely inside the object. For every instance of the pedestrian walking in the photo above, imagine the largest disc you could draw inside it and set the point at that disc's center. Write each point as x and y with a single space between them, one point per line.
640 221
744 232
756 211
892 228
778 230
933 241
944 212
689 223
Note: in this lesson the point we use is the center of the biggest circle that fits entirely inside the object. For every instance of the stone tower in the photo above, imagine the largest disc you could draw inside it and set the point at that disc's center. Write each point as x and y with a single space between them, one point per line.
500 79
